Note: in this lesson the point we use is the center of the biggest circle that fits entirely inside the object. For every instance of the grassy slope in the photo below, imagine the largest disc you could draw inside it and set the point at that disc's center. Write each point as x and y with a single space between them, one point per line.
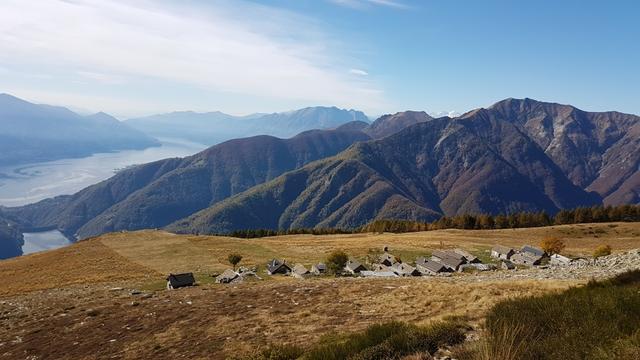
142 257
166 252
227 319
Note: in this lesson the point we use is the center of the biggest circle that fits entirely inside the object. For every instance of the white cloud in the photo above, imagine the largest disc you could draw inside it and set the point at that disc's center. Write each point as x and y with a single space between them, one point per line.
358 72
232 47
450 114
361 4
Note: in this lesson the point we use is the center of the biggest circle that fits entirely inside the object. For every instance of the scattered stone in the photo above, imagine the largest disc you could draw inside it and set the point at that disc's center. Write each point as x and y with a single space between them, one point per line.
136 292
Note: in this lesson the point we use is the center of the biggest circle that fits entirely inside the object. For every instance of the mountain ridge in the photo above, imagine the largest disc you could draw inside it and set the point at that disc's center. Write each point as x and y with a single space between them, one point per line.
485 161
211 128
472 164
35 132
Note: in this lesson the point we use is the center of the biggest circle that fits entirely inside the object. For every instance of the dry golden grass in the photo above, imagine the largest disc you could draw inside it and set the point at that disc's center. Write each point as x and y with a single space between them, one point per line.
214 321
211 320
165 252
88 262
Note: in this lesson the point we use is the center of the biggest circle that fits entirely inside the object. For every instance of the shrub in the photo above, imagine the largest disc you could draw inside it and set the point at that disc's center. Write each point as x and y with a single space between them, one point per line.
391 340
336 261
234 259
602 250
273 352
552 245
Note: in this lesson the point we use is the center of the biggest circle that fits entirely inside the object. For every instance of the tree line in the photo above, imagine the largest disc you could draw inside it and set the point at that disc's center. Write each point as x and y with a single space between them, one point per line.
595 214
622 213
258 233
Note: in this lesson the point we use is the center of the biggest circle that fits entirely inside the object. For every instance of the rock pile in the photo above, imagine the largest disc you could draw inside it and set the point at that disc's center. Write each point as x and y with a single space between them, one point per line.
580 269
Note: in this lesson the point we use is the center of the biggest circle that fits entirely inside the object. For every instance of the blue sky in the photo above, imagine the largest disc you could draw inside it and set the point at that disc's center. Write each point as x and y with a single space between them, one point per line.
238 56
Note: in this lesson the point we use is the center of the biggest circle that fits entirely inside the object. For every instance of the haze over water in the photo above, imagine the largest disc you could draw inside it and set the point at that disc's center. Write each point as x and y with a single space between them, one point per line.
28 183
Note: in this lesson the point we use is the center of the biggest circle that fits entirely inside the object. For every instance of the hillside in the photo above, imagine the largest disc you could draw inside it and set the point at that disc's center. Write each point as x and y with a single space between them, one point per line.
33 133
597 151
91 282
473 164
11 239
215 127
156 194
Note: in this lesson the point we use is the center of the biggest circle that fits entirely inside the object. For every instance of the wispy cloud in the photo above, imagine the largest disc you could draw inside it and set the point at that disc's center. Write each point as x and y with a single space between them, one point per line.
208 46
362 4
358 72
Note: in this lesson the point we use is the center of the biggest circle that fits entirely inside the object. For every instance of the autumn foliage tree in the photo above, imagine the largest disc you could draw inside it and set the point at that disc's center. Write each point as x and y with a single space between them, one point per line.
552 245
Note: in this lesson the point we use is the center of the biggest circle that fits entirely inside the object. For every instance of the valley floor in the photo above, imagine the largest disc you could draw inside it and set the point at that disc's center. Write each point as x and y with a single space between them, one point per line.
104 297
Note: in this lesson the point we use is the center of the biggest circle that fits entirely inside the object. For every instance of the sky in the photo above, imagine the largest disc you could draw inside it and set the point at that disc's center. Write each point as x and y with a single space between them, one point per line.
139 57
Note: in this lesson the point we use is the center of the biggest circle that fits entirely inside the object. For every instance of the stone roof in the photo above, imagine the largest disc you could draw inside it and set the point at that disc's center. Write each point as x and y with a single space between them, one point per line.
501 249
432 266
467 255
386 257
403 269
181 280
299 269
450 262
276 265
354 266
533 250
447 253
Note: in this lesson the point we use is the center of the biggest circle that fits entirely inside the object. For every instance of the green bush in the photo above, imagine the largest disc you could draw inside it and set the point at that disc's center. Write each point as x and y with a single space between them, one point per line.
336 261
391 340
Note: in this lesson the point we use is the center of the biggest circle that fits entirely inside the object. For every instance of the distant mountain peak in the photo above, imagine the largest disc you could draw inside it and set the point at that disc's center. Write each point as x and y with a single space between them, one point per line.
392 123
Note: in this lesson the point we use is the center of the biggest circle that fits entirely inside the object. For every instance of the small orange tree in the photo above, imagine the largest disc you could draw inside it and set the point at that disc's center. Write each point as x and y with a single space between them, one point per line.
552 245
602 250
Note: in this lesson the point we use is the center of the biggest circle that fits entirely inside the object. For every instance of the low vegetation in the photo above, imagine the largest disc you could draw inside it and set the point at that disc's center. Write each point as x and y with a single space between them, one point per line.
234 259
391 340
598 321
602 250
336 261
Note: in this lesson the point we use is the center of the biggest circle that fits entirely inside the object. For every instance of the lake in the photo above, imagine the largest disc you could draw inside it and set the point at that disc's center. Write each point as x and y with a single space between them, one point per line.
46 240
24 184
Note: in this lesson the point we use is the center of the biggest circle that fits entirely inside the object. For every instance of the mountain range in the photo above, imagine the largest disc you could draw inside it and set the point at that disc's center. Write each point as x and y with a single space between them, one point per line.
214 127
517 155
33 133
